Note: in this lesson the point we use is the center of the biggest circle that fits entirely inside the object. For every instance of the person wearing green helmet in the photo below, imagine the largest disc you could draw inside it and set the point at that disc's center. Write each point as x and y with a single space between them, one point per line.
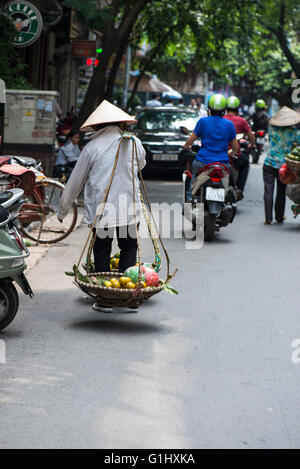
260 104
260 117
242 164
216 135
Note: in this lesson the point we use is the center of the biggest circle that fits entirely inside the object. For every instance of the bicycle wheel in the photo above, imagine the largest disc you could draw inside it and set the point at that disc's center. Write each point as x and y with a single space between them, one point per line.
37 218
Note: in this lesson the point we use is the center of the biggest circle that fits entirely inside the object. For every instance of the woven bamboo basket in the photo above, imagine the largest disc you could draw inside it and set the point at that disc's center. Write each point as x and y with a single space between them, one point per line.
118 298
113 297
292 164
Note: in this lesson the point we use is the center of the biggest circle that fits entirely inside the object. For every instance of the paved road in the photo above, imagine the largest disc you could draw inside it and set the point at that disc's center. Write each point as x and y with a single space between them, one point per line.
211 368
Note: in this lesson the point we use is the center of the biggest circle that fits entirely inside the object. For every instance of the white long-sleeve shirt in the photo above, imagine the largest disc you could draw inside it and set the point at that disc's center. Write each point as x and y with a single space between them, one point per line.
93 170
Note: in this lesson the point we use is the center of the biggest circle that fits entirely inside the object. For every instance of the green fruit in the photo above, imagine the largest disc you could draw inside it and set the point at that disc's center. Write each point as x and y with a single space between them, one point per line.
133 273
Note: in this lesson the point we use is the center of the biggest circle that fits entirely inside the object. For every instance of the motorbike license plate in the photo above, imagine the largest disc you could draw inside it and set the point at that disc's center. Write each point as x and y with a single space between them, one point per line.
260 141
215 195
165 157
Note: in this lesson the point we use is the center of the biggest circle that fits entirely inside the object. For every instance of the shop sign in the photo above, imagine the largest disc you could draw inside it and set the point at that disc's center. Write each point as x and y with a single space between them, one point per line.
27 21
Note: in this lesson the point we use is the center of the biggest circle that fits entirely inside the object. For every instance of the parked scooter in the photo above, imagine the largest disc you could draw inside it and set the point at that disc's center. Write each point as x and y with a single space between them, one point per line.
213 188
13 252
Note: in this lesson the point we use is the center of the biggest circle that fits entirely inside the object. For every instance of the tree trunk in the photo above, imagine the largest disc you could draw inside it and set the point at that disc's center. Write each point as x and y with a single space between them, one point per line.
283 42
113 41
295 64
134 91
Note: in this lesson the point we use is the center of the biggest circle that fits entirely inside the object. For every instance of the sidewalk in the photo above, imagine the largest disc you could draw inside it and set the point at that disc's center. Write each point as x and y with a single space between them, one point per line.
38 252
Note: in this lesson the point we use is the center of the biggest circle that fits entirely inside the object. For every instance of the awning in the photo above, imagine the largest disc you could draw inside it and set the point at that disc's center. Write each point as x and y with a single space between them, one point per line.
153 84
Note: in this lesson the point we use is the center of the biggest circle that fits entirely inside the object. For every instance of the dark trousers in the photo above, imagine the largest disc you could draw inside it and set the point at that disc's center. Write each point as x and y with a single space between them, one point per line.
243 166
127 243
270 176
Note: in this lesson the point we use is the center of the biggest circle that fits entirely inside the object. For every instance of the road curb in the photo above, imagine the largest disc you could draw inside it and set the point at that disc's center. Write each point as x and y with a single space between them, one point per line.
40 251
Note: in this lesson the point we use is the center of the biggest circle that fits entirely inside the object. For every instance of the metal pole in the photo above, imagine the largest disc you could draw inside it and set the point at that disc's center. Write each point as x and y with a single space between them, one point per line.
127 75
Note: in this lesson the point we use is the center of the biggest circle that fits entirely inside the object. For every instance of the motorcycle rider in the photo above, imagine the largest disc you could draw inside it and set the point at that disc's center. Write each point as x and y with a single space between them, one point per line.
260 117
242 163
216 135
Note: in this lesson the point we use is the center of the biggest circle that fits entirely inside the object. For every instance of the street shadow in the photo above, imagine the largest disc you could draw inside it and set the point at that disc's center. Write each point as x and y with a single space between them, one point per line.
287 227
84 299
116 326
218 240
10 334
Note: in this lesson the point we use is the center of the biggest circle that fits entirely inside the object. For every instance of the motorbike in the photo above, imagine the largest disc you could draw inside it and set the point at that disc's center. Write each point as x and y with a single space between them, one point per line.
240 166
13 253
213 187
260 136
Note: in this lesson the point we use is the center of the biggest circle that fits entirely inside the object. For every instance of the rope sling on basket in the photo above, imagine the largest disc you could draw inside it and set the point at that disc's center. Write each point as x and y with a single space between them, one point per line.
95 284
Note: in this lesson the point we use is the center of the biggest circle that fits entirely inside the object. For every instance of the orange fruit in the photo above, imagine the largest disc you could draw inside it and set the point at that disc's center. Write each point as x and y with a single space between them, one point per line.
131 285
124 281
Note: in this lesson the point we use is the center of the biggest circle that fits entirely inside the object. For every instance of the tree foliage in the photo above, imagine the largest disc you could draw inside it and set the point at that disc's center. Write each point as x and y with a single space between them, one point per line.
11 64
241 38
114 20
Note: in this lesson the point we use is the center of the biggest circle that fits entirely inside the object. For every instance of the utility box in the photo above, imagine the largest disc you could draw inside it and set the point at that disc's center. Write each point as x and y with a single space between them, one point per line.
2 106
30 125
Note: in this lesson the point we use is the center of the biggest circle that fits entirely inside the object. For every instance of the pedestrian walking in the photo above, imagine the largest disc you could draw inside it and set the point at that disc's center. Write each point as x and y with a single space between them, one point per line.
94 171
283 135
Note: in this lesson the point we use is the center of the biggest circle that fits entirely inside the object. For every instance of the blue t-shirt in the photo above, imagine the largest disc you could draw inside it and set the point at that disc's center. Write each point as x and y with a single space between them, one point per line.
215 133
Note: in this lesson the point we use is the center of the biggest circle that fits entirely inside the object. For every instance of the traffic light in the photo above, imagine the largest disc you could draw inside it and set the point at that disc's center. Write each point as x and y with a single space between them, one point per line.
92 62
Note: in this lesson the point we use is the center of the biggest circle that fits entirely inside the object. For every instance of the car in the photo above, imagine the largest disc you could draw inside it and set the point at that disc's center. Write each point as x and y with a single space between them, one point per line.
163 131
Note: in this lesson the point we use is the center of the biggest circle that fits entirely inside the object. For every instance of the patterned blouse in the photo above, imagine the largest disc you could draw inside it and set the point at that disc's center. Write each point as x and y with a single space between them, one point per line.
281 144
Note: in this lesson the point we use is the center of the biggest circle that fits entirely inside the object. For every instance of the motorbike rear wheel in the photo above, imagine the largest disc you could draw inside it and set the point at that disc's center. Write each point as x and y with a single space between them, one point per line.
9 303
256 155
210 227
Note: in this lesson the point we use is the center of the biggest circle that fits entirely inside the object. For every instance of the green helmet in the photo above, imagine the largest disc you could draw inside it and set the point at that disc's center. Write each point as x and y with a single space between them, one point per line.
233 102
260 104
217 102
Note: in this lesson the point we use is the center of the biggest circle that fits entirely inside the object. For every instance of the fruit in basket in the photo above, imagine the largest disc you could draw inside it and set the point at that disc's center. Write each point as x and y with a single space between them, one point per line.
123 281
115 283
131 286
287 175
108 284
151 277
295 154
148 276
114 261
133 274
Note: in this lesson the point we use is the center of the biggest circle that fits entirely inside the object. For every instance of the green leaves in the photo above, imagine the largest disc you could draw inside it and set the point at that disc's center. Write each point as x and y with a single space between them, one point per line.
11 64
168 289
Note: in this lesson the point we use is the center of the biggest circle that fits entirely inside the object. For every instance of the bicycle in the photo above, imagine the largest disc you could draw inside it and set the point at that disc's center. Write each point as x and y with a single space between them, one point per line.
37 218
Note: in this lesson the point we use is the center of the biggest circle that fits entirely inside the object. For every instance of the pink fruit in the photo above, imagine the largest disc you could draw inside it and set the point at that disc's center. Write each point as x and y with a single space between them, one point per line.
152 278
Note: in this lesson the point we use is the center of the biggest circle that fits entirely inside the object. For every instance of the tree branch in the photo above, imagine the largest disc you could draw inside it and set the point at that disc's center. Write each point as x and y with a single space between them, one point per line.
150 59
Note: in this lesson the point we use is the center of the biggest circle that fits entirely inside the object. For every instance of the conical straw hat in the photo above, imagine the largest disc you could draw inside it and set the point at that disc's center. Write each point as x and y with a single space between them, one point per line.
285 117
107 113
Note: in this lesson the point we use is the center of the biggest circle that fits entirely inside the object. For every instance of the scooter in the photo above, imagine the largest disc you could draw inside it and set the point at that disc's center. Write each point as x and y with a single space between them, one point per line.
212 188
13 253
260 136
